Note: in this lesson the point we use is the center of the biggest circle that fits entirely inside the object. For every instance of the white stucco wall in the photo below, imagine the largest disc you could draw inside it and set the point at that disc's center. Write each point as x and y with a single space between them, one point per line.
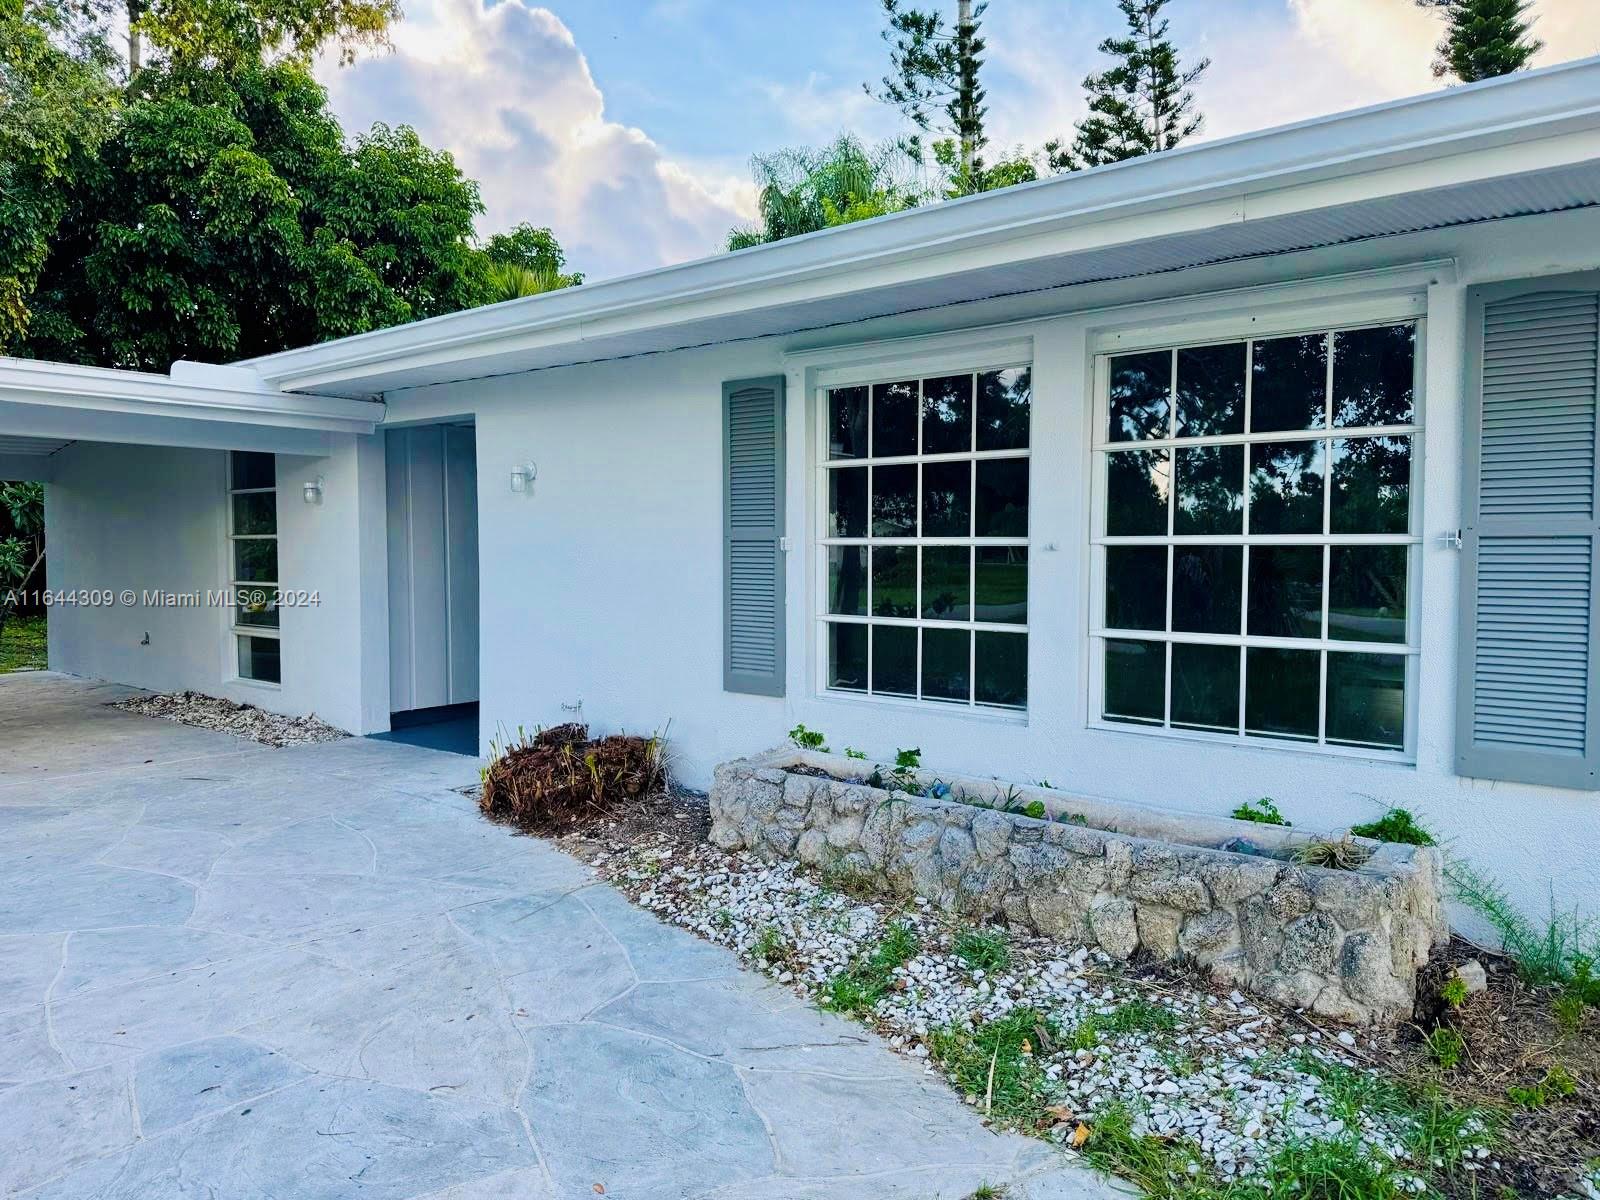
602 591
150 518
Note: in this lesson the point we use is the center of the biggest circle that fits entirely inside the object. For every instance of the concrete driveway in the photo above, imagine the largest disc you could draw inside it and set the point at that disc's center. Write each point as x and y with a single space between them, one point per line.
236 973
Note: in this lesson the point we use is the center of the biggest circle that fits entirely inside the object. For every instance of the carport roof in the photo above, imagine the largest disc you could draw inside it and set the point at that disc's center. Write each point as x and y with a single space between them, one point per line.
1510 147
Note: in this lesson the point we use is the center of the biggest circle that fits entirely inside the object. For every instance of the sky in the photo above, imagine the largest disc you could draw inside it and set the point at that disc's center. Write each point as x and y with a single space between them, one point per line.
627 126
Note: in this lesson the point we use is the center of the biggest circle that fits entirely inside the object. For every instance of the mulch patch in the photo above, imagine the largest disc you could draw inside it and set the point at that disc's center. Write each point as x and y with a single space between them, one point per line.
559 779
1512 1039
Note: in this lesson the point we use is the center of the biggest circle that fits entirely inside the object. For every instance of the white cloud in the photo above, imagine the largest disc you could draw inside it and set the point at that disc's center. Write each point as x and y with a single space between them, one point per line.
509 93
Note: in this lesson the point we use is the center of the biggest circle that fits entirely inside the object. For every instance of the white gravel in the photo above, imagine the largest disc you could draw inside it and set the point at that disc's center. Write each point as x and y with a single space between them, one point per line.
1229 1076
224 716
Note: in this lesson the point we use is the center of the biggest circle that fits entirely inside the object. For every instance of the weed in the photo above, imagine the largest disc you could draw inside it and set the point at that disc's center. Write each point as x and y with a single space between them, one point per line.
1034 809
1446 1046
852 752
1342 854
1160 1169
1045 783
1568 1009
1085 1035
722 918
987 1191
907 760
1263 812
1075 819
983 949
1454 991
860 986
1557 1084
1139 1016
771 946
1396 825
808 739
850 881
1562 952
996 1063
1435 1129
1338 1168
1180 1062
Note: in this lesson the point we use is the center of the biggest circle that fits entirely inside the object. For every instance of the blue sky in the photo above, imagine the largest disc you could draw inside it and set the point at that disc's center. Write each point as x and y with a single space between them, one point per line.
627 125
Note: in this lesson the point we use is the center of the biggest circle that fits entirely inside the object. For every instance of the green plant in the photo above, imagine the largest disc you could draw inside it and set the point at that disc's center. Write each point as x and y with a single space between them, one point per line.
1560 953
983 949
852 752
867 980
907 760
1045 783
1396 825
1454 991
722 918
1085 1035
987 1191
1075 819
1446 1046
1139 1016
771 946
808 739
1334 854
1568 1009
1263 812
996 1063
1557 1084
850 881
1034 809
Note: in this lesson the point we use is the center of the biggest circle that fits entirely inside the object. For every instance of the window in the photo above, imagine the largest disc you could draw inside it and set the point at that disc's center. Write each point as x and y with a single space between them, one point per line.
1255 554
253 562
924 552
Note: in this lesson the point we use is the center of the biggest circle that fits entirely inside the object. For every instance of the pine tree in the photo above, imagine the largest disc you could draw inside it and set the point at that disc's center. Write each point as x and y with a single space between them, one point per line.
1140 106
1483 38
934 81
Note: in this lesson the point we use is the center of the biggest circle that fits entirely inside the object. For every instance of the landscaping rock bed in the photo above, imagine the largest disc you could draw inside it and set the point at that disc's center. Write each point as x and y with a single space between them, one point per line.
224 716
1344 943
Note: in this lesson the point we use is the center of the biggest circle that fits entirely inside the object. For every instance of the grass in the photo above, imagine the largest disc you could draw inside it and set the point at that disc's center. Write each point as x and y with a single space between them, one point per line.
1263 812
1138 1016
983 949
22 644
771 946
996 1063
1446 1047
863 983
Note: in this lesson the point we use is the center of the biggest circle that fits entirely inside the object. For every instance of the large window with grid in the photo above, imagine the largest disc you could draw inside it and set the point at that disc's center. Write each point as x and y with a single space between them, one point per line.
924 552
253 563
1256 552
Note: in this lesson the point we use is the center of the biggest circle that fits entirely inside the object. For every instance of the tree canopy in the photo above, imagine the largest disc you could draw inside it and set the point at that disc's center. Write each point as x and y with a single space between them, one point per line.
1483 38
804 189
1142 104
933 79
210 206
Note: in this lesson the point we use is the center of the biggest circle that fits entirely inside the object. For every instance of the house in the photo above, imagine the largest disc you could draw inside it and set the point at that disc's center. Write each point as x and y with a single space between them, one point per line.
1265 466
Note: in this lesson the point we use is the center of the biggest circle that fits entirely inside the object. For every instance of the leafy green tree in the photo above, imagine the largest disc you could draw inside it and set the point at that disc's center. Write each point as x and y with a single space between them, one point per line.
1483 38
527 261
234 33
56 103
804 189
933 79
21 542
1143 104
226 216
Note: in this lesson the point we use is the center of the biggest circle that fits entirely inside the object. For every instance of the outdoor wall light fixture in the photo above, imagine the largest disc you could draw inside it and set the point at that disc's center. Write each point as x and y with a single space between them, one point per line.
313 490
522 478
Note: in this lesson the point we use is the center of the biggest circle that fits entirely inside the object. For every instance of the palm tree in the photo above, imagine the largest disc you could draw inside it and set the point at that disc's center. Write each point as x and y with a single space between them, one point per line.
807 188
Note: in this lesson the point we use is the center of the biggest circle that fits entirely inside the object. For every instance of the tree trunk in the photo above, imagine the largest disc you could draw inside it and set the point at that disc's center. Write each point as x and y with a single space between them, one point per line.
135 50
964 42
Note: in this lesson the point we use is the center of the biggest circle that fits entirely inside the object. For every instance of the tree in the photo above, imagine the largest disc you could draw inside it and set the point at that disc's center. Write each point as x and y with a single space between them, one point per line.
56 104
232 33
526 261
933 80
1142 105
21 542
804 189
227 217
1483 38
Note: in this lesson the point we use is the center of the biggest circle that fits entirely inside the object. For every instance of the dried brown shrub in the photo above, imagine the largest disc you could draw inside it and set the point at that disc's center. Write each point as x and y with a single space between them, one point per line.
558 778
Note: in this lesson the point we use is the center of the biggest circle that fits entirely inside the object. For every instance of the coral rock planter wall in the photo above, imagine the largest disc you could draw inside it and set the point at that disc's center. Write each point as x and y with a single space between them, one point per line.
1345 944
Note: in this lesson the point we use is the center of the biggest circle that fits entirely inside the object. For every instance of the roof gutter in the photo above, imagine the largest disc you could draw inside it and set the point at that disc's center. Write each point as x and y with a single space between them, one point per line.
1410 143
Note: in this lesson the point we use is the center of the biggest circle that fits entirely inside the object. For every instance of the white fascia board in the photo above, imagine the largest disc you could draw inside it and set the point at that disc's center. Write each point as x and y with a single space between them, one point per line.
192 392
1534 120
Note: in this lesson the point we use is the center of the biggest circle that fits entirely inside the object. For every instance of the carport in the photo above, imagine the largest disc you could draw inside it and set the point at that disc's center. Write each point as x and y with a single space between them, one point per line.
166 493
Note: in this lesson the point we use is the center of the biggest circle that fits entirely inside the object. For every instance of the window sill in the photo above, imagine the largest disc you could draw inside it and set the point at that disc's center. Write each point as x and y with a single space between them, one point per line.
1387 758
261 684
927 708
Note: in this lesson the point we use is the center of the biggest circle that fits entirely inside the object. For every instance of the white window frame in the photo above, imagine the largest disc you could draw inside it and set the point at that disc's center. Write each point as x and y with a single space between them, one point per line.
236 631
939 360
1339 319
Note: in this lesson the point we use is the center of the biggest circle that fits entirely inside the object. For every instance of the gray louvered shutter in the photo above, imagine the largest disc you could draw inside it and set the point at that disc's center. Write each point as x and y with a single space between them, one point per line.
1529 649
753 527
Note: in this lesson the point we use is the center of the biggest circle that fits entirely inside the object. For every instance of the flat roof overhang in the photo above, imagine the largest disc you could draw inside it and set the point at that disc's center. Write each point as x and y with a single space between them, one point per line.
45 406
1514 147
